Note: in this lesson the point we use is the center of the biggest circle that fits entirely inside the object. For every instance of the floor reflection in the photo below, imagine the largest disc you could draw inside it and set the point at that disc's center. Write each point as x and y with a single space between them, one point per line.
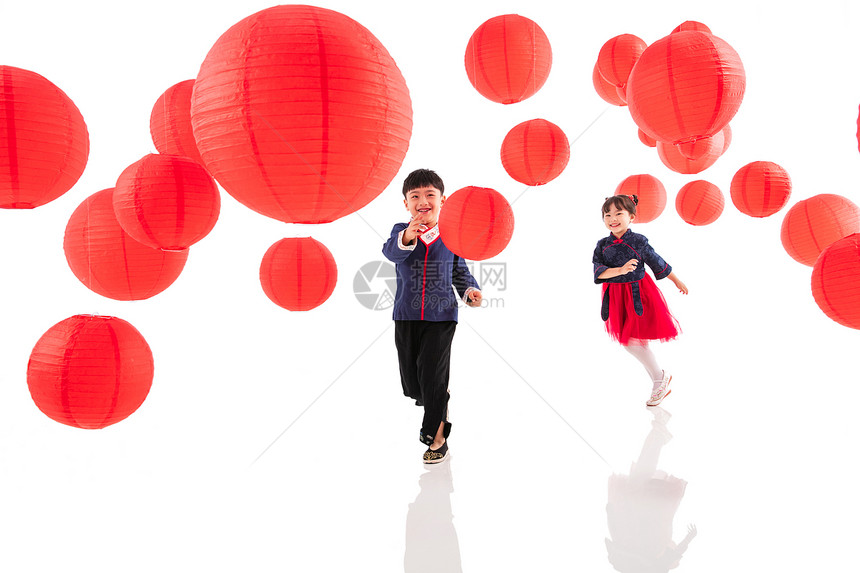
431 540
642 507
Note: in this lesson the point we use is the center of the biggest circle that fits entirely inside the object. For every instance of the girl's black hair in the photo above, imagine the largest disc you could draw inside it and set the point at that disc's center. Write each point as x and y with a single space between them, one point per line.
626 202
422 178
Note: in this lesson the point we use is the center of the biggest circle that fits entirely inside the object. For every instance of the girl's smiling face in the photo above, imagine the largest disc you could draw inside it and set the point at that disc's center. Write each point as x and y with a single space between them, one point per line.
425 203
617 220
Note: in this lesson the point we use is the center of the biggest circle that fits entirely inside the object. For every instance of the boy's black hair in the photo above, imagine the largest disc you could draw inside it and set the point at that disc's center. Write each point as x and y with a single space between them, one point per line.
626 202
422 178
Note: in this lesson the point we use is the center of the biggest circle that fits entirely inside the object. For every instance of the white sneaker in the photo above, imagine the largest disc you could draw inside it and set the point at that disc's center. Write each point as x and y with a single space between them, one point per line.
661 391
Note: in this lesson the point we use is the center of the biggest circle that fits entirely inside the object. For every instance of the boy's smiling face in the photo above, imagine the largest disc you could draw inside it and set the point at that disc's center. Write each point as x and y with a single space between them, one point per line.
424 203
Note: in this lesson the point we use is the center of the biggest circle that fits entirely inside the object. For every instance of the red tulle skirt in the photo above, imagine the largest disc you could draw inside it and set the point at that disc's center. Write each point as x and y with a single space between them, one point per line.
625 326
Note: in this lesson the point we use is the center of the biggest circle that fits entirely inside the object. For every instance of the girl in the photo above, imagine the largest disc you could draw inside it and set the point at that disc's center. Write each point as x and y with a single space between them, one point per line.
633 308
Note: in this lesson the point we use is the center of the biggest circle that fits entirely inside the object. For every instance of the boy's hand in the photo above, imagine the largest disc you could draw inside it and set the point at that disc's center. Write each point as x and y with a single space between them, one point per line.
416 227
474 298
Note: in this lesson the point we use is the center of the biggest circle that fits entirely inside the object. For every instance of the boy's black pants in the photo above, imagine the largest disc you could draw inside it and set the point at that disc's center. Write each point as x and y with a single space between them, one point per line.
424 353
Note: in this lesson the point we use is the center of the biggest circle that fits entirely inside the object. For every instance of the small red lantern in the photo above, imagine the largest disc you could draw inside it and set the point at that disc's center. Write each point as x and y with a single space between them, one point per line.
813 224
647 139
90 371
508 58
649 191
834 281
685 86
108 261
692 25
298 274
699 202
606 91
672 157
301 114
166 201
618 56
170 122
476 223
760 188
44 144
535 152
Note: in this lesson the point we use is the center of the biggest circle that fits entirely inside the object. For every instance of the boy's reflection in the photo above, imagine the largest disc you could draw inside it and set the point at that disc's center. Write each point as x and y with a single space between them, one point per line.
642 507
431 540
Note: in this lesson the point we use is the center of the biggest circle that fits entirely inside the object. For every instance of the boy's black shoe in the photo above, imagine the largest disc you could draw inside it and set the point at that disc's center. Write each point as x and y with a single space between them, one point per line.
436 456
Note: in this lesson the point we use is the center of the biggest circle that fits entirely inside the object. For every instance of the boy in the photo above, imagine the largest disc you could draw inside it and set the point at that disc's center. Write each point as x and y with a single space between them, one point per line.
425 308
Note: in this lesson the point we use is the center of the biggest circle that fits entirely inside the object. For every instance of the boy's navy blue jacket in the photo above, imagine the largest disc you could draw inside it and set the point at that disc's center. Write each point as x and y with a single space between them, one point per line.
425 272
614 252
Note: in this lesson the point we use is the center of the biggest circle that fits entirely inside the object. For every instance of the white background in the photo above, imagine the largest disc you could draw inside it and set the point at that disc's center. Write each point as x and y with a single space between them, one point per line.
765 385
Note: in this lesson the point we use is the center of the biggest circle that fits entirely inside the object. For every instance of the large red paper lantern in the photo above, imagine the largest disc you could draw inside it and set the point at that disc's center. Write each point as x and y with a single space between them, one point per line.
535 152
618 56
606 91
672 157
298 273
508 58
813 224
476 223
760 188
170 122
166 201
685 86
90 371
44 142
301 114
650 193
108 261
699 202
834 281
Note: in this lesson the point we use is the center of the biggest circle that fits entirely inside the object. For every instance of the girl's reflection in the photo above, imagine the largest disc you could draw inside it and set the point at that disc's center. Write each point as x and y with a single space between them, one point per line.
642 507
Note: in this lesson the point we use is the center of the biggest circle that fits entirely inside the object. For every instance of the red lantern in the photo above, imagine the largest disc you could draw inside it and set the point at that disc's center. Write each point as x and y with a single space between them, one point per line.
44 142
606 91
508 58
108 261
298 274
476 223
618 56
649 191
699 202
647 139
672 157
301 114
90 371
692 25
760 188
813 224
166 202
535 152
170 122
834 281
685 86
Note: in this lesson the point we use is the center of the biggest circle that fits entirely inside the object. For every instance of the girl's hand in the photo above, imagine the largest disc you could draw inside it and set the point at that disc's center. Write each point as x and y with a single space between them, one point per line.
681 286
629 266
474 298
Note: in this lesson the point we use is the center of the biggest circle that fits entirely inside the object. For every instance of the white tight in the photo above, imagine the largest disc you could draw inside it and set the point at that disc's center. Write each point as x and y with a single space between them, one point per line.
643 354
